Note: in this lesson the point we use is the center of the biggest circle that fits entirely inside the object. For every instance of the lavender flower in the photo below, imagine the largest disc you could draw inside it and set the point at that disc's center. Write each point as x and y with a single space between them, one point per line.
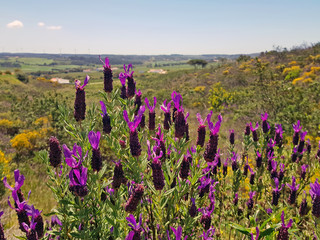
245 168
78 181
281 172
234 160
296 128
2 237
118 175
236 199
303 209
167 115
205 219
123 78
270 146
177 233
201 130
204 185
276 192
193 209
257 234
19 180
30 229
55 151
152 114
212 145
250 202
157 173
106 121
303 171
136 228
72 156
231 136
293 191
131 83
80 101
274 173
278 135
135 146
294 155
254 132
315 196
179 121
37 219
209 234
137 102
161 142
96 160
184 169
301 143
283 232
55 221
107 75
265 124
134 198
247 130
252 175
258 159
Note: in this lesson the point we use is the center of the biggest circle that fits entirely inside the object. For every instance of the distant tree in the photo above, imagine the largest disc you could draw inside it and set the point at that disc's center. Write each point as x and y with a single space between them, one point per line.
198 62
22 77
243 58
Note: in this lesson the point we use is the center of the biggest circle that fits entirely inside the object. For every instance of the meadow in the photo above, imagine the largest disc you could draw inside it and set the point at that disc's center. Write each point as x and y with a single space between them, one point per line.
242 182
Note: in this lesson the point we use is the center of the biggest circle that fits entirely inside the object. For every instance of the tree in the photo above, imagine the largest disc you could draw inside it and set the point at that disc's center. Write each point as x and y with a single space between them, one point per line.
197 62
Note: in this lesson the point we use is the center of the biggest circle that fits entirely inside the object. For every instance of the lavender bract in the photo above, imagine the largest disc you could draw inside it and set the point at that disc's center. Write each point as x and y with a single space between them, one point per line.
167 115
106 121
107 75
152 114
54 152
315 196
96 160
80 101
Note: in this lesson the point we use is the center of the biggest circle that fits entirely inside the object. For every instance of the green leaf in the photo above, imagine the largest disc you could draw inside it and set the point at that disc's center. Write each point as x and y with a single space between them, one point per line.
240 228
266 232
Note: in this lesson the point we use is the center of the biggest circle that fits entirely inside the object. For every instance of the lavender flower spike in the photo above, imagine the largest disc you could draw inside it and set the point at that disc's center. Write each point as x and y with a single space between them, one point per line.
250 201
296 128
106 121
136 227
107 72
71 157
209 234
30 230
2 237
131 83
254 131
276 192
55 151
123 78
96 160
293 191
19 180
37 218
167 115
80 101
201 130
135 146
157 173
177 233
283 232
78 181
152 114
315 196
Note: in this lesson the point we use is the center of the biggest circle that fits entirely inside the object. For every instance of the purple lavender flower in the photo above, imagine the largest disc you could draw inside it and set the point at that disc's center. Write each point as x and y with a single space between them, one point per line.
247 130
315 196
106 121
258 159
55 151
80 101
185 167
270 146
231 136
201 130
2 237
236 199
252 175
208 235
123 78
274 173
293 191
118 175
265 124
107 75
179 121
134 199
131 83
250 202
270 159
96 160
204 185
72 156
276 192
212 145
19 180
137 102
21 209
152 114
167 115
303 171
55 221
296 128
257 234
136 228
294 155
37 218
78 181
245 168
161 142
225 168
302 140
303 209
283 232
234 160
308 146
193 209
30 229
205 219
157 173
177 233
135 146
281 172
278 135
254 132
269 211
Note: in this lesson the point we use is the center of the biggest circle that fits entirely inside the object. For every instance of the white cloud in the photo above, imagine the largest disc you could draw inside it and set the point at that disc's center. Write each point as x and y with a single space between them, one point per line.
54 27
41 24
15 24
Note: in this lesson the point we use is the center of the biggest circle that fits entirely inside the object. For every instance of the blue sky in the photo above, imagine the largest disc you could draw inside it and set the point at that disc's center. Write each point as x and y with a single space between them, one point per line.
157 27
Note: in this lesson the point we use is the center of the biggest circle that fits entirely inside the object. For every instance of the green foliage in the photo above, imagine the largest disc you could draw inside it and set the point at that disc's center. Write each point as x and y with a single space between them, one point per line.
198 62
22 77
219 98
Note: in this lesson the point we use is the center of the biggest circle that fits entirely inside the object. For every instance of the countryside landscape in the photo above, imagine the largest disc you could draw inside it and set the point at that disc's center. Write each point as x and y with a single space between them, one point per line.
171 120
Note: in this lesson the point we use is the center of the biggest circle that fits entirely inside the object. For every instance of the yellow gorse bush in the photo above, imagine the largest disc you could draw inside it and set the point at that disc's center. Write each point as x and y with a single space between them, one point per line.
4 166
